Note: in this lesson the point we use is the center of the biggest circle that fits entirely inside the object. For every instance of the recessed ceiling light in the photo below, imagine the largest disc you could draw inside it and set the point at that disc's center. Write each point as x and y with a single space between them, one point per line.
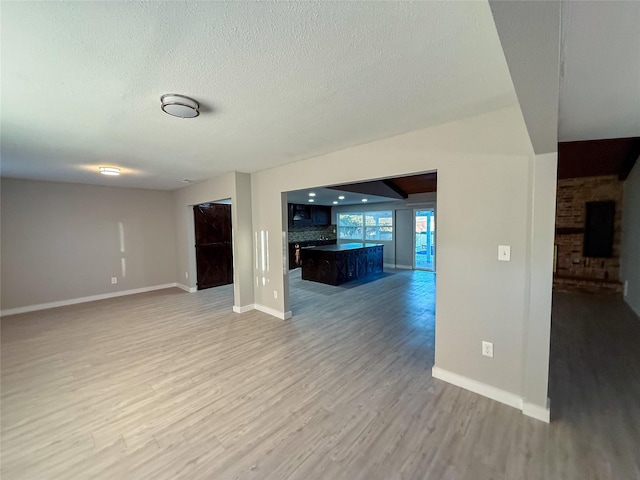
365 200
311 200
179 105
109 170
341 197
187 180
335 202
311 194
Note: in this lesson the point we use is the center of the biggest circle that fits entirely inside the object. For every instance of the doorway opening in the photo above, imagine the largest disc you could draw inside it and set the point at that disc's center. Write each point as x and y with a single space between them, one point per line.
337 233
424 246
213 244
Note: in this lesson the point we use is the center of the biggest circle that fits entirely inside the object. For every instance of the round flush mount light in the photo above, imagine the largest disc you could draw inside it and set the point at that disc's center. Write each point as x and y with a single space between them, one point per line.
109 171
179 105
341 197
311 194
311 200
335 202
365 200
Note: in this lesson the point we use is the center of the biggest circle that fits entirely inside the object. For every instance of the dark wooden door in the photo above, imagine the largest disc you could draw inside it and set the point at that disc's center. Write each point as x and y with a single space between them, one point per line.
214 254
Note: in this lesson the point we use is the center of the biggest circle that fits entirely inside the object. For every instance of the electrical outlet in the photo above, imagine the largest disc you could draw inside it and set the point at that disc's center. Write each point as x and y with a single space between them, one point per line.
487 349
114 280
275 294
504 253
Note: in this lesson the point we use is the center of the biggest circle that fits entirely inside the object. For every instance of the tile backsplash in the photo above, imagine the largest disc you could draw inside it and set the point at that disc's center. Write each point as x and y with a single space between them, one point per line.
301 234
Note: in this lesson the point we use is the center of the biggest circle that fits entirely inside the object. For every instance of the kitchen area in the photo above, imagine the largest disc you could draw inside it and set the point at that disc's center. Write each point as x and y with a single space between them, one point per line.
309 226
313 246
344 233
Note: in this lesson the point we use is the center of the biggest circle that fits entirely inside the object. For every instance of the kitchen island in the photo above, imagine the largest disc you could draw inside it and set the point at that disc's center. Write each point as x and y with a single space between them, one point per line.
338 264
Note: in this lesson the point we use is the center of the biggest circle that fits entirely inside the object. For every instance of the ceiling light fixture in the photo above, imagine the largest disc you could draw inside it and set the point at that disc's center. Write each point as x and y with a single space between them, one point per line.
179 105
365 200
109 171
341 197
311 200
311 194
335 202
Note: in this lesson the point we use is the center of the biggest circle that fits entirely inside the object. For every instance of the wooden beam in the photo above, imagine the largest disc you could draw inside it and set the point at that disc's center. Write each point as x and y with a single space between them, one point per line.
395 188
630 160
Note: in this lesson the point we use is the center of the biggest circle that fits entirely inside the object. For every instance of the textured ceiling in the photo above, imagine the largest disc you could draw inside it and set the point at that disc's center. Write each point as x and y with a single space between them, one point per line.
600 71
279 82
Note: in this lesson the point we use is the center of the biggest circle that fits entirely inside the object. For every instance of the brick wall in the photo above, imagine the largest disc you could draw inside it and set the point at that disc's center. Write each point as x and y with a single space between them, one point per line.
573 271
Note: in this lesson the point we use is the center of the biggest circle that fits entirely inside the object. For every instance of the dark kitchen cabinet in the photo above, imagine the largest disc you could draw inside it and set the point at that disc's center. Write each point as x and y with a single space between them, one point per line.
321 215
338 264
308 215
295 250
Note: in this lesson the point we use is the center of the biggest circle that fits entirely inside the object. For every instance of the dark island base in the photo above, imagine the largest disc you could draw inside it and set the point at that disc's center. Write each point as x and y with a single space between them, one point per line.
338 264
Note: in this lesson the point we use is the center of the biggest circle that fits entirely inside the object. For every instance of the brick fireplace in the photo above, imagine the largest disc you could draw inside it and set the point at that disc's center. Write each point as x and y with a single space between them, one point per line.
573 271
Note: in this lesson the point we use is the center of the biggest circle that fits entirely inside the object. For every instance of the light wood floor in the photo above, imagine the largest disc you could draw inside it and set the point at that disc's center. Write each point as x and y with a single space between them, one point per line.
171 385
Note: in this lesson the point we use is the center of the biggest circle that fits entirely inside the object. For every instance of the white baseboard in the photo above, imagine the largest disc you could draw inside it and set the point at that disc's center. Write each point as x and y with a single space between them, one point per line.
187 289
483 389
91 298
388 265
404 267
529 409
245 308
536 411
273 312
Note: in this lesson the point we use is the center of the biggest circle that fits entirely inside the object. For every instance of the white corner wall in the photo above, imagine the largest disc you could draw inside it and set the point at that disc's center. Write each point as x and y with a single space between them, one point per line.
62 243
237 187
484 200
537 331
630 249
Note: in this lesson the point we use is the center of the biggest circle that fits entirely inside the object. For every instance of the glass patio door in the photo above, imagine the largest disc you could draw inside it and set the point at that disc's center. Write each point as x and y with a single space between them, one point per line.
424 246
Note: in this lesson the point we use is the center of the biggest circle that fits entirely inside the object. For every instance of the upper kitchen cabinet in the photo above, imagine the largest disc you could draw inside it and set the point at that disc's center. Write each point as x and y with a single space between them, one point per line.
321 215
309 215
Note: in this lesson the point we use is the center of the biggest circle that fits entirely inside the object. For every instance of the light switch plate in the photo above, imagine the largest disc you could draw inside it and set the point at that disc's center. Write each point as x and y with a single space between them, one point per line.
504 253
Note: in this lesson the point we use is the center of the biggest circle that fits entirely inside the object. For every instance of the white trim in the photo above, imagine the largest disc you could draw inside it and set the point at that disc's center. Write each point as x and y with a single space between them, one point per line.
388 265
404 267
529 409
273 311
536 411
91 298
483 389
187 289
245 308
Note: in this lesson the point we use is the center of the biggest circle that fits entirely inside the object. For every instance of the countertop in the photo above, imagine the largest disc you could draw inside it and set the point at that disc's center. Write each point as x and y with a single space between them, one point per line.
343 247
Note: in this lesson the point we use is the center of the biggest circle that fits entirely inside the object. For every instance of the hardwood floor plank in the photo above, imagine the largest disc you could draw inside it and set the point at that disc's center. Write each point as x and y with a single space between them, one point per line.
173 385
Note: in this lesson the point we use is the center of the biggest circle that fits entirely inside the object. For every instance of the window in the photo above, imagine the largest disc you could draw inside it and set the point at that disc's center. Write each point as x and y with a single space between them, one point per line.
366 226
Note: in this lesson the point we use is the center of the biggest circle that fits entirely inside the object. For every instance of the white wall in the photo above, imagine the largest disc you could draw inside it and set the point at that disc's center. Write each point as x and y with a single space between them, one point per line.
62 241
630 249
484 200
403 235
537 331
